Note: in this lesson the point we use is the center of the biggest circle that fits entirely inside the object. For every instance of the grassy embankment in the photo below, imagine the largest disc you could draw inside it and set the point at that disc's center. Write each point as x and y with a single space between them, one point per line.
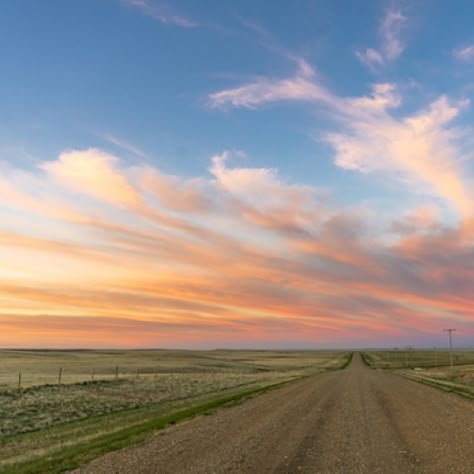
52 428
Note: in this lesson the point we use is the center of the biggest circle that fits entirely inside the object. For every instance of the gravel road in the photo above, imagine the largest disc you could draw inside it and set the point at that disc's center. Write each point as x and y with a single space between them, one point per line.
357 420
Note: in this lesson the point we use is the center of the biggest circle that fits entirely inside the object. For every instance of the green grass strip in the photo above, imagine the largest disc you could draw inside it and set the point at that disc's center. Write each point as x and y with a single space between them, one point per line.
465 392
366 360
348 360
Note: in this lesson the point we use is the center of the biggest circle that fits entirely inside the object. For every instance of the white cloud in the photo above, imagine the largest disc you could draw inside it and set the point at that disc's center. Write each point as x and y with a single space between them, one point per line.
161 12
124 145
420 149
391 46
390 30
465 54
301 87
370 57
95 173
260 187
384 96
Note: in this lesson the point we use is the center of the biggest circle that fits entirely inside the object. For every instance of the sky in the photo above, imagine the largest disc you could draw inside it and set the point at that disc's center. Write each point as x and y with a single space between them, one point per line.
222 174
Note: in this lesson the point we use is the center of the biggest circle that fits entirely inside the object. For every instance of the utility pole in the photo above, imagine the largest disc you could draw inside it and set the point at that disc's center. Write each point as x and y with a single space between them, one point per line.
449 331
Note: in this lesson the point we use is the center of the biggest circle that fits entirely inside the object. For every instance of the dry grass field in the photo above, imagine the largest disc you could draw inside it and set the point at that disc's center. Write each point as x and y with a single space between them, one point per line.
42 367
96 404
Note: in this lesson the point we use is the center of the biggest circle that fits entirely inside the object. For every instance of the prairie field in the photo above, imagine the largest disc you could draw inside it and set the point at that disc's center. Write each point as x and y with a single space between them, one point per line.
394 359
70 399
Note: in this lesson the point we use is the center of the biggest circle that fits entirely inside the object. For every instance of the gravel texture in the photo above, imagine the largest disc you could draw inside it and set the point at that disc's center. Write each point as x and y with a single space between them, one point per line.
357 420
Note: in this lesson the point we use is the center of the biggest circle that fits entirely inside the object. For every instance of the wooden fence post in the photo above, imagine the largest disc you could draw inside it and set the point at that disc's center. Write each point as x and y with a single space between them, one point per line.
60 375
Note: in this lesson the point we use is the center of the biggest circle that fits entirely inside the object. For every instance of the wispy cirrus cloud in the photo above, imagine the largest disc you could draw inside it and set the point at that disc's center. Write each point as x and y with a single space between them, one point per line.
162 12
300 87
421 149
161 269
392 44
122 144
465 53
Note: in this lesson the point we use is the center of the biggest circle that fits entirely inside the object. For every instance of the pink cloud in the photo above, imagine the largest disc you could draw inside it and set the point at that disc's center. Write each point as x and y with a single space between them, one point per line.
238 254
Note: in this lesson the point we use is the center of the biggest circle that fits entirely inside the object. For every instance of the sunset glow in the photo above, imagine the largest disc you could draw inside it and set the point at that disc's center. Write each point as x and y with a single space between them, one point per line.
218 179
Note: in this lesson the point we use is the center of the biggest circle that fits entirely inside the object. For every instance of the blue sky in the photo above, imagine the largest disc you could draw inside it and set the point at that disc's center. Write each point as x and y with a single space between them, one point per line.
76 71
298 127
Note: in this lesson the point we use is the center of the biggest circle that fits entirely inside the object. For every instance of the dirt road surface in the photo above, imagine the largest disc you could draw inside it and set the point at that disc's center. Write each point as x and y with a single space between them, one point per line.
357 420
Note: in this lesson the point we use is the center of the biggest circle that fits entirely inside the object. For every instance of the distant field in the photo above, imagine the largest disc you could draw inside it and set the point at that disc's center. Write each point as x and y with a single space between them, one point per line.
42 367
394 359
102 394
430 367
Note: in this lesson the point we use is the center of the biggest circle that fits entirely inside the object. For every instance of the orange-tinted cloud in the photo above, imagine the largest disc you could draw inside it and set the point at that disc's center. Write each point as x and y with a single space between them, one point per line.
133 257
